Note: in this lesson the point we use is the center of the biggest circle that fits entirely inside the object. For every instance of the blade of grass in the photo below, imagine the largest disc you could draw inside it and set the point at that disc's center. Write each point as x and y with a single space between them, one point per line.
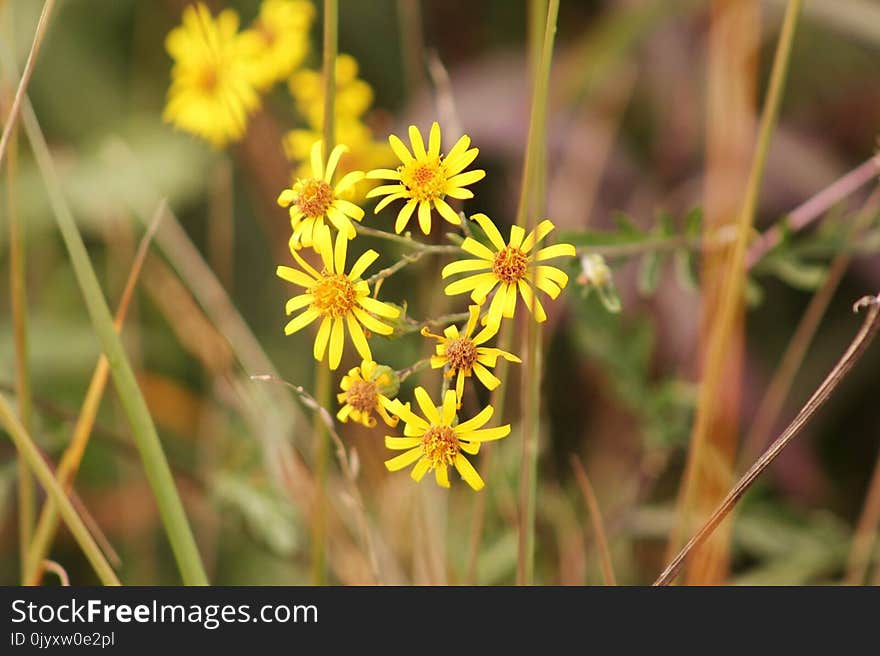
68 466
21 91
18 303
143 430
596 519
34 459
731 296
853 353
531 199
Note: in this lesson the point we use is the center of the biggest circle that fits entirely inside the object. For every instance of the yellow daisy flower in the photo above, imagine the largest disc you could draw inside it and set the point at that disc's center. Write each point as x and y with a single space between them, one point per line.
510 267
312 199
352 99
463 354
364 153
338 299
363 388
278 39
211 93
425 178
437 442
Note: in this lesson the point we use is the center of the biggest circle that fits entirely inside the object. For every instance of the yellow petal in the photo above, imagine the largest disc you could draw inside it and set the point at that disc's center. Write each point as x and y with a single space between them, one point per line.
517 235
362 264
461 161
467 178
557 250
404 215
425 216
441 474
348 180
543 229
357 337
383 174
427 406
385 202
333 162
468 473
337 343
404 459
552 273
348 208
322 338
491 231
401 443
378 307
415 139
450 401
479 420
447 212
399 149
297 303
317 163
474 247
486 377
532 302
469 283
487 434
434 140
301 321
421 468
462 266
296 277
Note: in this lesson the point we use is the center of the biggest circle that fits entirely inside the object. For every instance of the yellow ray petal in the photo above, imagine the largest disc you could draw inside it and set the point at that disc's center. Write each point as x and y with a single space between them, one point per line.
301 321
337 343
477 421
296 277
468 473
463 266
316 159
333 162
322 338
434 140
543 229
404 459
404 215
418 146
401 443
362 264
421 468
491 231
378 307
441 474
450 402
357 337
487 434
399 149
474 247
425 216
556 250
427 406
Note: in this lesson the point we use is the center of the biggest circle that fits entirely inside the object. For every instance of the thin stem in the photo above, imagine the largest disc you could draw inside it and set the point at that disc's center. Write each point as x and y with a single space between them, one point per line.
34 459
783 378
405 373
814 208
344 463
331 46
478 520
596 519
406 240
531 199
68 466
21 91
143 430
443 320
866 532
855 351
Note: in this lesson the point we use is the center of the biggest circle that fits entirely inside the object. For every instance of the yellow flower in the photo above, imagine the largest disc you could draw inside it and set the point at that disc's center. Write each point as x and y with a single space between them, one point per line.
363 389
510 267
278 40
312 199
437 442
425 178
340 300
463 354
364 153
352 99
211 93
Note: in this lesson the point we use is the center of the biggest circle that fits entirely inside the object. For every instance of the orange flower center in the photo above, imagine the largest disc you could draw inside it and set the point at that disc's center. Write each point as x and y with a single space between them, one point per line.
334 295
425 179
209 79
461 353
362 395
510 265
314 197
440 445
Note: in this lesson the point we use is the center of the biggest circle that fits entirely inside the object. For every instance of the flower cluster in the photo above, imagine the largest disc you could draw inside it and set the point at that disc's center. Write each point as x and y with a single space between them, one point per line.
219 71
218 75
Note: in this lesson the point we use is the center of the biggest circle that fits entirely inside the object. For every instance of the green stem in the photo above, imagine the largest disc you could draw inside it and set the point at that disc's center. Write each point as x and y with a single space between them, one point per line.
531 202
141 423
331 45
34 459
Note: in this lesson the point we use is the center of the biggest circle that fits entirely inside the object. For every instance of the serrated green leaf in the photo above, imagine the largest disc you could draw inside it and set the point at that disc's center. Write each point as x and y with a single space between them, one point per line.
649 273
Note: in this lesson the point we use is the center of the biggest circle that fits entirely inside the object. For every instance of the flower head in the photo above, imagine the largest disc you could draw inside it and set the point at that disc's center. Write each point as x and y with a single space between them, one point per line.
425 178
463 354
512 267
338 299
437 442
363 388
364 153
312 199
212 92
352 99
278 39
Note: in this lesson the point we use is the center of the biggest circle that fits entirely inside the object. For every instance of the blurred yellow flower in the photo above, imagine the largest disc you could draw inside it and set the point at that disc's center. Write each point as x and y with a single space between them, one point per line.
363 388
278 40
437 442
364 153
510 267
211 93
338 299
425 178
353 95
312 199
463 354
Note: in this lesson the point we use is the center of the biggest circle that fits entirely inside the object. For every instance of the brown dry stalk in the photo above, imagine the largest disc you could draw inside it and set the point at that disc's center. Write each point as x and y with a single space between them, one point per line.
68 466
21 91
596 519
855 350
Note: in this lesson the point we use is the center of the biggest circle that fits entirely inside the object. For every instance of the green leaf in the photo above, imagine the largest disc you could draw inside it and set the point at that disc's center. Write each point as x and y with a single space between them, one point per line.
649 273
